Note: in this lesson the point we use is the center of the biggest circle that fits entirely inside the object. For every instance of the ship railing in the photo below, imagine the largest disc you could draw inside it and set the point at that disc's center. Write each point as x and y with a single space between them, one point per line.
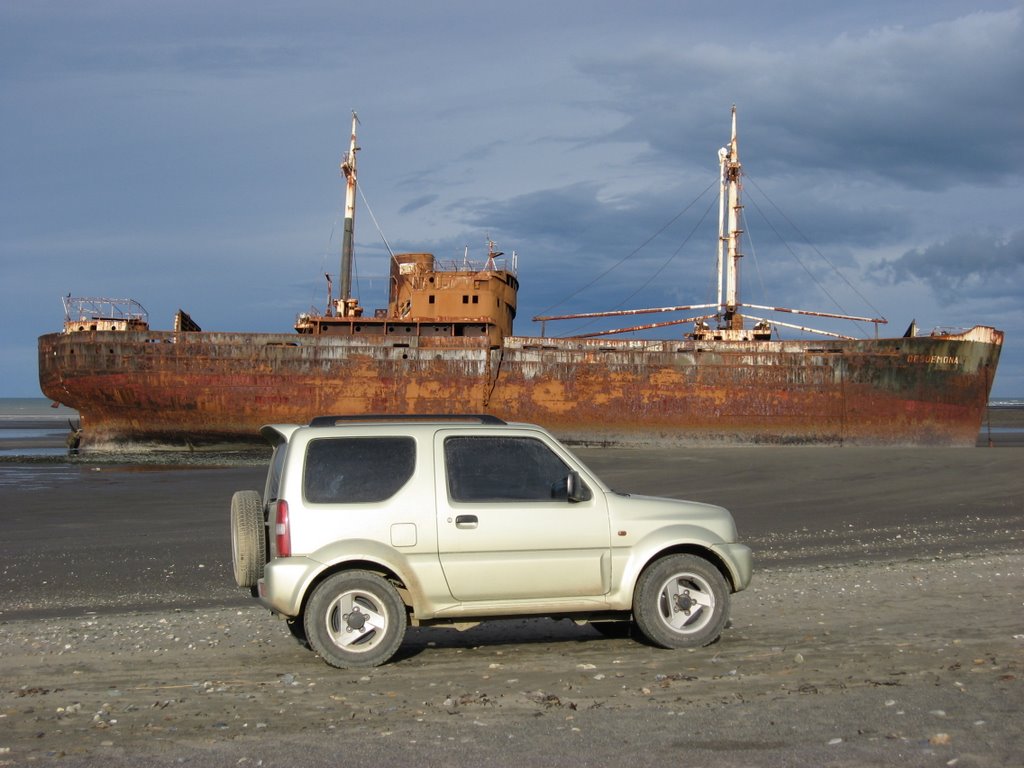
476 265
763 324
81 308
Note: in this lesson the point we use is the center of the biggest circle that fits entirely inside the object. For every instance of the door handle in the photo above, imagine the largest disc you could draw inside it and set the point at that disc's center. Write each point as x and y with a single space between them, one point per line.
466 521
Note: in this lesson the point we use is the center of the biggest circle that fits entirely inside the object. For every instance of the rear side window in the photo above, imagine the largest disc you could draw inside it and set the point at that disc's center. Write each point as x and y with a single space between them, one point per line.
484 468
273 485
357 470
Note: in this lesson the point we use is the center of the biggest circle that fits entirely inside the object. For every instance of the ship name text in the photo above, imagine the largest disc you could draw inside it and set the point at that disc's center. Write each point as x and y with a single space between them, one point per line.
934 359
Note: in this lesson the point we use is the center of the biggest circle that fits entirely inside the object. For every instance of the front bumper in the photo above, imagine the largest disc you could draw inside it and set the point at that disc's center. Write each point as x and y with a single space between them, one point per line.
739 560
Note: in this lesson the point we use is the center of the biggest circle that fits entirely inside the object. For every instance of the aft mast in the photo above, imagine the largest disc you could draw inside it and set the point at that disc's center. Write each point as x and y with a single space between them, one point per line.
729 322
731 169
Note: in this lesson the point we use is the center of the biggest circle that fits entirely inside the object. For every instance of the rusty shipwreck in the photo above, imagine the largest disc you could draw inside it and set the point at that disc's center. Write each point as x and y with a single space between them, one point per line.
445 343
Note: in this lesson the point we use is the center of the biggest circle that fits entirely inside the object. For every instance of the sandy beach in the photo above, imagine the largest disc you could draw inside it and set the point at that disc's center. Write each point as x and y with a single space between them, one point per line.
919 663
885 624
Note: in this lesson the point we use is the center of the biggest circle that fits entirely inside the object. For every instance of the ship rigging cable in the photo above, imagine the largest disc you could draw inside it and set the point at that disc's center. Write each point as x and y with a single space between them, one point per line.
820 254
630 255
380 232
369 210
664 264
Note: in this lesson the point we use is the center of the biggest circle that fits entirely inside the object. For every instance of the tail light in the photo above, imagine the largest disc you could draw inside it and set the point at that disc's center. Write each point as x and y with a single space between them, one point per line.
282 530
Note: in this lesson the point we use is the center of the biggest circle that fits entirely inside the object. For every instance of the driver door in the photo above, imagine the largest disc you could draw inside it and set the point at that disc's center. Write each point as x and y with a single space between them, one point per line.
506 531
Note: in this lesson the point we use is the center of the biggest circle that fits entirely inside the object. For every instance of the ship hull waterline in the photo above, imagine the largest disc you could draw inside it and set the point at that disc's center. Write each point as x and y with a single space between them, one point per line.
200 389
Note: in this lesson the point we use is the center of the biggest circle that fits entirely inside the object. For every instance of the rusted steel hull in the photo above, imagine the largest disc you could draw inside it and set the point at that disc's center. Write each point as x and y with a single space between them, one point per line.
212 388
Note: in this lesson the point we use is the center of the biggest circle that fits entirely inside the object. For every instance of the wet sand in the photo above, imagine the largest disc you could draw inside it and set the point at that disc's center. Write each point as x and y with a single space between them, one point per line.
1003 426
885 624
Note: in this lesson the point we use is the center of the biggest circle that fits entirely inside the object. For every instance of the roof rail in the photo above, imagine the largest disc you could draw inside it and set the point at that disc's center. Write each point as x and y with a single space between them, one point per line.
477 418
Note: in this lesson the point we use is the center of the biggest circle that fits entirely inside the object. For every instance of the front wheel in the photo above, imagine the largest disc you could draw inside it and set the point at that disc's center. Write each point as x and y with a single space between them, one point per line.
681 601
355 619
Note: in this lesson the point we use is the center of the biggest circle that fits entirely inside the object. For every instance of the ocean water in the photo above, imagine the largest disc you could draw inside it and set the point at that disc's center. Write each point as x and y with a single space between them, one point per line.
34 409
1006 402
31 426
32 430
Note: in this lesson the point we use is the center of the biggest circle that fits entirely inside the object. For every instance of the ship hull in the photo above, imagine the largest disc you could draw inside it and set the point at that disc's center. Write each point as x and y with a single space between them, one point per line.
203 389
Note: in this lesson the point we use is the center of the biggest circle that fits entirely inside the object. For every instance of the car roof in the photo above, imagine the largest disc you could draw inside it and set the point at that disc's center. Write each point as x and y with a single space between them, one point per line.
385 418
276 434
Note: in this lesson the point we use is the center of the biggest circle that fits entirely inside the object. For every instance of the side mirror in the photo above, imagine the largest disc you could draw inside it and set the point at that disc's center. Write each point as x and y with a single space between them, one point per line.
570 488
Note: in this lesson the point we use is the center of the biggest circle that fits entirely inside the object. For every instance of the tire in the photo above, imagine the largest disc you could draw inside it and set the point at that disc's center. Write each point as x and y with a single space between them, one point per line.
681 601
297 629
248 538
355 619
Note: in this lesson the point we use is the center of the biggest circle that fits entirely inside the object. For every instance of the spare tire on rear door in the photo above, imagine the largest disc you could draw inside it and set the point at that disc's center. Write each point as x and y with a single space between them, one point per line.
248 537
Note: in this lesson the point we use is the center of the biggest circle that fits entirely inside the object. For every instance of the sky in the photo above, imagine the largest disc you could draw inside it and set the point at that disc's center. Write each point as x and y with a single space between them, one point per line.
185 154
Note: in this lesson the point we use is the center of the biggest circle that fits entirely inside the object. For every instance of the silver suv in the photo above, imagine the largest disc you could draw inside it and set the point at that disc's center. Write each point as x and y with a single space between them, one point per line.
369 524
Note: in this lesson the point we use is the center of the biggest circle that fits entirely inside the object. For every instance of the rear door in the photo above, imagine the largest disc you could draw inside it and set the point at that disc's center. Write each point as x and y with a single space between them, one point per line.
502 534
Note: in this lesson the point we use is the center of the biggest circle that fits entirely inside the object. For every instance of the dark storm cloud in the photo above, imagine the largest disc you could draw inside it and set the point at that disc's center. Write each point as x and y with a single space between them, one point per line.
975 265
417 203
927 108
559 216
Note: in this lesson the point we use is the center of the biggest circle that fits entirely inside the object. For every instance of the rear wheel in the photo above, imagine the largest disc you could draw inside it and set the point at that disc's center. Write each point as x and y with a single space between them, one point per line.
681 601
355 619
248 538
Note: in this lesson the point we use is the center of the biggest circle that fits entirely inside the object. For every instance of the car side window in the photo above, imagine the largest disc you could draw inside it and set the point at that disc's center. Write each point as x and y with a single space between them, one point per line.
357 470
491 468
273 484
